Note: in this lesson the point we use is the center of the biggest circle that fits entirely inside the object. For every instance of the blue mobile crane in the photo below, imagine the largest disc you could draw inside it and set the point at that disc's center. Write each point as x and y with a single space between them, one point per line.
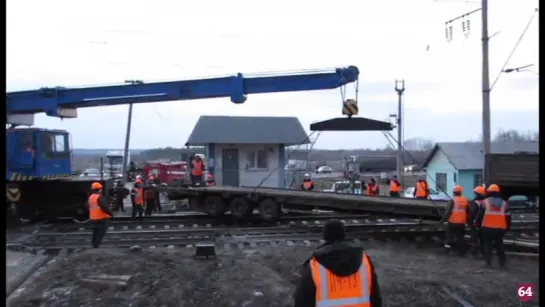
38 168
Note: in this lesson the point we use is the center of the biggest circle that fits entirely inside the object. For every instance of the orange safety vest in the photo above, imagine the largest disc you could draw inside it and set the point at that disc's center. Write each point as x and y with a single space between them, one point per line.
394 187
342 291
95 212
494 217
421 189
197 168
139 199
459 211
307 184
372 190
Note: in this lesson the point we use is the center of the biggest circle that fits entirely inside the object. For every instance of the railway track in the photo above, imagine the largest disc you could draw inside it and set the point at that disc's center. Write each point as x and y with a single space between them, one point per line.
522 237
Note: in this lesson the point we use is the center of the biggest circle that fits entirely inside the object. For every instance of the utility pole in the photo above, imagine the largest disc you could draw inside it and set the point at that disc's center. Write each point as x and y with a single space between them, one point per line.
128 135
400 89
485 82
485 85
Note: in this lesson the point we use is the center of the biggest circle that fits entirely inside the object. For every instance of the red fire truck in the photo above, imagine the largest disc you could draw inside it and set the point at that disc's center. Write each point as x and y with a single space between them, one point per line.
166 171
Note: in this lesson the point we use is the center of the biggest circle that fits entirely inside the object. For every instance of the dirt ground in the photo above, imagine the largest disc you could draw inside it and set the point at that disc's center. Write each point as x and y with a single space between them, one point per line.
265 277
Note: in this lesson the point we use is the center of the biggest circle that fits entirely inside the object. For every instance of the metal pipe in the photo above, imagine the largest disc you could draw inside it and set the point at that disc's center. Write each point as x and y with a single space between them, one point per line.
485 85
400 89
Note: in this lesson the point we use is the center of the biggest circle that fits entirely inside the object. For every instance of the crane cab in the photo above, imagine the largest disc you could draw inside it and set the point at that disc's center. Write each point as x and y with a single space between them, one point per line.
37 154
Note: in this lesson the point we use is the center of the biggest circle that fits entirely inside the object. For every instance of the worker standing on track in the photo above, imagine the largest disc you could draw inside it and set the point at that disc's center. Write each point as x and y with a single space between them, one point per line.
120 193
339 273
307 184
495 219
99 214
457 214
422 189
149 197
137 199
476 233
372 188
395 187
197 171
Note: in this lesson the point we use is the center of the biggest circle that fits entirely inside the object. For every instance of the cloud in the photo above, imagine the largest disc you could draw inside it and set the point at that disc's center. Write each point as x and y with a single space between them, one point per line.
72 43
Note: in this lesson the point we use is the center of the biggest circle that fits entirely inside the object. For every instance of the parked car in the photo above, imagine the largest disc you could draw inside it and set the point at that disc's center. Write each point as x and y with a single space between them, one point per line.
523 203
324 170
91 172
434 195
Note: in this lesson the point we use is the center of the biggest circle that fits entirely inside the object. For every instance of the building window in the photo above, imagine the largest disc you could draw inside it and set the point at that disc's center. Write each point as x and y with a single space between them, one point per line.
477 180
256 159
440 182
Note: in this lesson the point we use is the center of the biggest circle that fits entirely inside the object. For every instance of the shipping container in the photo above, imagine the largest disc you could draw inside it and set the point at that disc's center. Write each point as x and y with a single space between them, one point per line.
517 174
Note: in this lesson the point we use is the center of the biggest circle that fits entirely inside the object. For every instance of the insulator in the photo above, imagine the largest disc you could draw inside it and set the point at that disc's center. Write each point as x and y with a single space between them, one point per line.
446 34
467 25
450 31
463 25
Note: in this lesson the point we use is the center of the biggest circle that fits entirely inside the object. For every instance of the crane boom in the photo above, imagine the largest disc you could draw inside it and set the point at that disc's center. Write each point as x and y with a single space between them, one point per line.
52 100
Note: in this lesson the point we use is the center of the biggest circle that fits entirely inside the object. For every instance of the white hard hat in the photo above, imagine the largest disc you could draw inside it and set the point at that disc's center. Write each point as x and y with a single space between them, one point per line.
307 175
139 177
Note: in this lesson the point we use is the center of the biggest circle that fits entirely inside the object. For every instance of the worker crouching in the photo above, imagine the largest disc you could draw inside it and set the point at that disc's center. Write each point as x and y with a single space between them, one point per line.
137 199
307 184
339 273
99 214
495 219
457 214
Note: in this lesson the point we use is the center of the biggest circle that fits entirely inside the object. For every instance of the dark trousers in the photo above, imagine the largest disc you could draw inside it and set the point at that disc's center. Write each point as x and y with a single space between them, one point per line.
493 238
119 205
477 241
137 209
394 194
195 180
150 206
158 203
99 231
454 238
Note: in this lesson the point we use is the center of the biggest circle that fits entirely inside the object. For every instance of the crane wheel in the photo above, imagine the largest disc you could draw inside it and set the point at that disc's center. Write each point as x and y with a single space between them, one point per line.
214 206
269 210
241 208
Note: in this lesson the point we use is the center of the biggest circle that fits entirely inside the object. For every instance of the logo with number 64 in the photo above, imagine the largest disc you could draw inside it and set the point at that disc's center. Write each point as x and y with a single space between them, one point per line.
526 292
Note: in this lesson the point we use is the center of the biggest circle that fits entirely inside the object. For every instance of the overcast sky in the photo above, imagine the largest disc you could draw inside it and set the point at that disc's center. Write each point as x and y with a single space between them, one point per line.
61 42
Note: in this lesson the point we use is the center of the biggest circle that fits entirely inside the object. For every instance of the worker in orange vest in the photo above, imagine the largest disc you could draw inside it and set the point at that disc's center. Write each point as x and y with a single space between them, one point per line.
197 170
476 233
137 199
457 215
307 184
395 187
372 188
338 273
421 190
99 213
495 219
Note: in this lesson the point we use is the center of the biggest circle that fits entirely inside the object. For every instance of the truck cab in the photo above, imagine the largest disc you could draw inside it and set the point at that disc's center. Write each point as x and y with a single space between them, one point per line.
37 153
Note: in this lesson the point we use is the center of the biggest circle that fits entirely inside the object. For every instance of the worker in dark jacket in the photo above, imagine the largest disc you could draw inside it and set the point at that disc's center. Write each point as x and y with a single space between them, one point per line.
495 220
476 233
337 270
457 214
99 214
307 184
120 193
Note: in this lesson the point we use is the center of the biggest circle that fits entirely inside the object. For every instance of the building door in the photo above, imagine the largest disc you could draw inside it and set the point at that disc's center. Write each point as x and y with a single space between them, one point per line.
230 169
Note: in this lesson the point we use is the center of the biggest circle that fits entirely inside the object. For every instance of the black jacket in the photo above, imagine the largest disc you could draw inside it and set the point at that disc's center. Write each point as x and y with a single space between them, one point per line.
103 204
341 258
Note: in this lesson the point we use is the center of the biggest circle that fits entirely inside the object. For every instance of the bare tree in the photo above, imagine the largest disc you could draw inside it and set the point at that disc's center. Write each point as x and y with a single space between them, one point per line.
516 136
418 144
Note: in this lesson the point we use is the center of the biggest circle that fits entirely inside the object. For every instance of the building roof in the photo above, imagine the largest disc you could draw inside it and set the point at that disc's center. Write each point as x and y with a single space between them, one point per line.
469 156
248 130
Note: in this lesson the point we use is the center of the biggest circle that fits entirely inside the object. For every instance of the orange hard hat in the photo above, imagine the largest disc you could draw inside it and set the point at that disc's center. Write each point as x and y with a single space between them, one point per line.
457 189
138 181
479 190
493 188
96 186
